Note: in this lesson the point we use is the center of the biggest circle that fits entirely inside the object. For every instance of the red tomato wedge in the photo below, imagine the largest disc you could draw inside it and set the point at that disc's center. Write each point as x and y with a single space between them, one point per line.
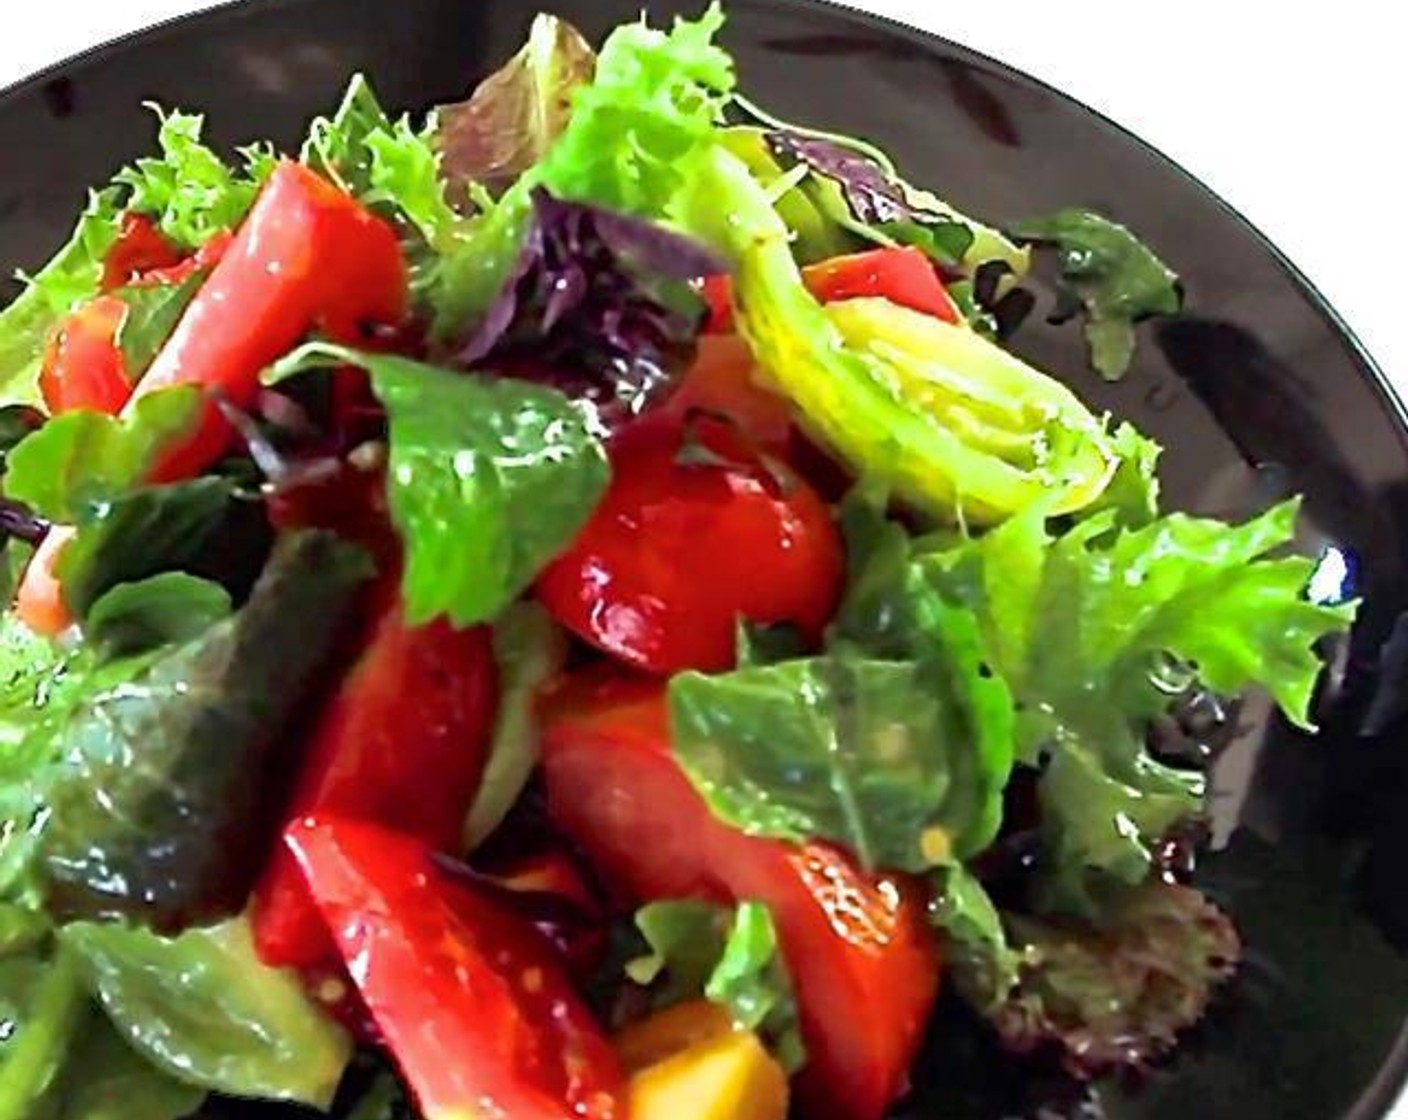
83 363
470 999
307 257
862 959
402 743
724 380
696 531
902 275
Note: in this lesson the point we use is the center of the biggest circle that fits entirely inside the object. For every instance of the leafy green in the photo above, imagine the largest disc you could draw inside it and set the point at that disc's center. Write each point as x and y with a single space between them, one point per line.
1130 604
529 649
170 608
204 1009
85 457
984 965
1116 992
654 101
517 113
405 175
204 527
106 1079
164 771
42 1002
188 189
1116 276
73 275
731 958
153 310
879 756
489 479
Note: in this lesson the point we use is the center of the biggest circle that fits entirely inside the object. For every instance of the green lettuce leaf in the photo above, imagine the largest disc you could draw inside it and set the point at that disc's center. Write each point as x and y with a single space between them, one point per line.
977 953
517 113
489 479
529 649
73 275
1117 278
85 457
204 1009
162 772
731 958
655 100
190 191
1141 612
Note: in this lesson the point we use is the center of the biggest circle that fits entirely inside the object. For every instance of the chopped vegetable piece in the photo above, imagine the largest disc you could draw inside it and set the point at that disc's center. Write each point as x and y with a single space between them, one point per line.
469 997
727 1076
401 743
636 582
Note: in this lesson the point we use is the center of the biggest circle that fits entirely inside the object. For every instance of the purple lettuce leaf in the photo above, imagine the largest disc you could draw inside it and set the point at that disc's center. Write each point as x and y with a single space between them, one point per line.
599 304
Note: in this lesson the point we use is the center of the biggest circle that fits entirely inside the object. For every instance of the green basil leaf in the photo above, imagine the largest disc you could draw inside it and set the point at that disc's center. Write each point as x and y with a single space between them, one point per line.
165 773
204 1009
529 649
153 310
84 458
165 609
489 479
881 757
1116 276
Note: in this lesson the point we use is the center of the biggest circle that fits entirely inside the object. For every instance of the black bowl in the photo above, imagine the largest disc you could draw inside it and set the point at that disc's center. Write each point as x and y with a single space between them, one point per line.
1256 390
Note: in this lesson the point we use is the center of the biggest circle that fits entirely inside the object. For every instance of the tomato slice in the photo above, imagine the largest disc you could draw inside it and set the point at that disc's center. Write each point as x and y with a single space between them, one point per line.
83 363
696 531
402 743
724 380
863 961
901 274
469 998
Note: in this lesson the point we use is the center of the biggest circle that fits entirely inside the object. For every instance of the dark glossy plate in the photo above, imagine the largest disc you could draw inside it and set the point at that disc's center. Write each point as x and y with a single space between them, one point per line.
1257 390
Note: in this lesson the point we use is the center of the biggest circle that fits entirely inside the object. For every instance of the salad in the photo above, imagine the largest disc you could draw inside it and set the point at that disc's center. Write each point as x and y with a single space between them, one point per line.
572 608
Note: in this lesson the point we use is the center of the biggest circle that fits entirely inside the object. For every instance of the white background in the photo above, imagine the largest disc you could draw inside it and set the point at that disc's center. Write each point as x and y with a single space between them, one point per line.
1292 112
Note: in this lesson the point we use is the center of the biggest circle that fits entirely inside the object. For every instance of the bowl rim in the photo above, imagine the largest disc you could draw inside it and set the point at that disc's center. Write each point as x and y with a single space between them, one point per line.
1387 1091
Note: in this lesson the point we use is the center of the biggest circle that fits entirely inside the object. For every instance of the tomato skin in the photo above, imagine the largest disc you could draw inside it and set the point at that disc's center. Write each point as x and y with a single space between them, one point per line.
83 363
677 552
723 381
307 257
901 274
862 959
402 743
469 997
140 247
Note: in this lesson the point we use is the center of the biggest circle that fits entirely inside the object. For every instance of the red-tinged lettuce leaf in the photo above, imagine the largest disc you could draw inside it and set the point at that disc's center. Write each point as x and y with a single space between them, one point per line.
516 113
599 305
163 771
1117 993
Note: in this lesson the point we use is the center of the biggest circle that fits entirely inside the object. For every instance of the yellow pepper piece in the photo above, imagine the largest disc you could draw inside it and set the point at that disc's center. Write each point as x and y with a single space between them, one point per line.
727 1077
666 1033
